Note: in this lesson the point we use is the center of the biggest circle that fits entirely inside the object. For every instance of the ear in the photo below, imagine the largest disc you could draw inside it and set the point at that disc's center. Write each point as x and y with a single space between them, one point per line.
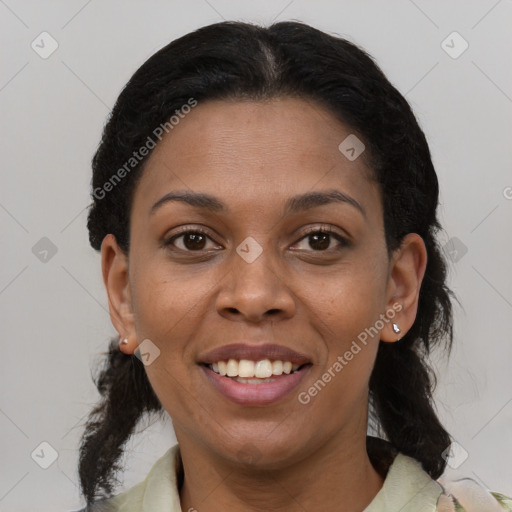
406 272
114 265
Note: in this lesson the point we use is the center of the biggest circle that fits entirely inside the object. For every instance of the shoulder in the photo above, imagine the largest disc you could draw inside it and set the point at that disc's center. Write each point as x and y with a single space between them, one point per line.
158 492
412 484
409 488
466 494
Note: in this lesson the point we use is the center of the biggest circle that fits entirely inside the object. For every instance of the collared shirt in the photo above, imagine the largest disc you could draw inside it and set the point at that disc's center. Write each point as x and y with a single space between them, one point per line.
407 488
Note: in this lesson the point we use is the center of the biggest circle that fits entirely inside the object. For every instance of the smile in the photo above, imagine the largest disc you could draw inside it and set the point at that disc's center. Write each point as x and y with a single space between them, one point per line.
254 383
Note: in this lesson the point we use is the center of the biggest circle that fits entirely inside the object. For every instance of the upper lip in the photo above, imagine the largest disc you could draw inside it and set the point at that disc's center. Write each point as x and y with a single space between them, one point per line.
240 351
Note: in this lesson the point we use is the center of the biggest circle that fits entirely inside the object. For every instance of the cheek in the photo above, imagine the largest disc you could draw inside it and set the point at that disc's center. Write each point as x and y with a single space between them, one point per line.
344 309
344 319
167 311
346 302
165 301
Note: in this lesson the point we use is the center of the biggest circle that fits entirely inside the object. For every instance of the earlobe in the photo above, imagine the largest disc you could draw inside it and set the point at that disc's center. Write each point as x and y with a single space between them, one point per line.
114 264
406 273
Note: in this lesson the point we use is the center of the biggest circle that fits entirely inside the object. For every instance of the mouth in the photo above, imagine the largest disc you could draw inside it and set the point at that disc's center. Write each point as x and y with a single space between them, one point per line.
254 376
246 371
254 383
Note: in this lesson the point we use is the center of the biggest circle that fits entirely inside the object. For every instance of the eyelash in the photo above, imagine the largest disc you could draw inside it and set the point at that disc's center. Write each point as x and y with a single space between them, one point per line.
312 230
185 231
325 230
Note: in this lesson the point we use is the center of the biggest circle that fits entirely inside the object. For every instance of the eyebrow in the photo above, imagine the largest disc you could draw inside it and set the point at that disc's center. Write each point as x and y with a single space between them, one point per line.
313 199
294 204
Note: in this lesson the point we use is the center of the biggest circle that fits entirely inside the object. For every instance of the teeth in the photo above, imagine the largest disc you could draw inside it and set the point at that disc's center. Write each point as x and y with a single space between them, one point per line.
253 381
277 367
232 368
263 369
246 369
287 367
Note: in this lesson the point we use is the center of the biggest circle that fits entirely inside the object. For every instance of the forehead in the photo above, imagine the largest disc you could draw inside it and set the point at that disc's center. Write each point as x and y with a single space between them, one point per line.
254 152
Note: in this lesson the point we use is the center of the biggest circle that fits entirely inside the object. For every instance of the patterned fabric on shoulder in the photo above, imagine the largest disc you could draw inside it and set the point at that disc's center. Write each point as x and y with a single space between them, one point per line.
467 495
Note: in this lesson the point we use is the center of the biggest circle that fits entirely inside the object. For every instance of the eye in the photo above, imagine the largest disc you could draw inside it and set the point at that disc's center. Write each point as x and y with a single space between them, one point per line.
322 239
190 240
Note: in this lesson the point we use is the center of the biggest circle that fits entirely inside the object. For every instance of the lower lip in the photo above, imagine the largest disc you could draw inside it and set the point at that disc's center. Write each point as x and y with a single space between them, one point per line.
256 394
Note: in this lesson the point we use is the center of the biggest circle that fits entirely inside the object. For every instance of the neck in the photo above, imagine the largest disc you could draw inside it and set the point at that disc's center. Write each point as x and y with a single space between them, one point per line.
338 475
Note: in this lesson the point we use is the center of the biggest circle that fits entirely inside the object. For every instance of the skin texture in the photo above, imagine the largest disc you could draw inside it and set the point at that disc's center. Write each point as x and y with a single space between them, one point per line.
253 156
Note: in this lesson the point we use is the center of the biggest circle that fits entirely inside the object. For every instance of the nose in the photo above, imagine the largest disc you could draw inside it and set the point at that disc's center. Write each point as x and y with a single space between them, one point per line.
255 291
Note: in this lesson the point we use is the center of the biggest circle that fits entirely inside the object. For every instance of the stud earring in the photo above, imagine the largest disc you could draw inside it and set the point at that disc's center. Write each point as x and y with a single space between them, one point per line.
123 342
397 330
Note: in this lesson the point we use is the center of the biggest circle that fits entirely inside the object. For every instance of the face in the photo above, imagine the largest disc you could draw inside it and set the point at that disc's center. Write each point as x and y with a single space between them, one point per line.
284 260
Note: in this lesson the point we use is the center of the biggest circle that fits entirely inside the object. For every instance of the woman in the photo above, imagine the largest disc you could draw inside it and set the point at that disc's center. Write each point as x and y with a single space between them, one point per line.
265 206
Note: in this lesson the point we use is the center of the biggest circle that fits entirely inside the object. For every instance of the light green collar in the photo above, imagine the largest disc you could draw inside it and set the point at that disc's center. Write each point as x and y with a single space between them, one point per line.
407 488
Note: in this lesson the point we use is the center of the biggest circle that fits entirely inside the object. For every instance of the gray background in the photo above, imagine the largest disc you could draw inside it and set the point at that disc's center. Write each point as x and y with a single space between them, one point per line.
54 322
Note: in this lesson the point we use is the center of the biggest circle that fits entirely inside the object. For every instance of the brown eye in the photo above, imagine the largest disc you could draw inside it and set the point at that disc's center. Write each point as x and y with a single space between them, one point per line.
321 239
190 241
194 241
